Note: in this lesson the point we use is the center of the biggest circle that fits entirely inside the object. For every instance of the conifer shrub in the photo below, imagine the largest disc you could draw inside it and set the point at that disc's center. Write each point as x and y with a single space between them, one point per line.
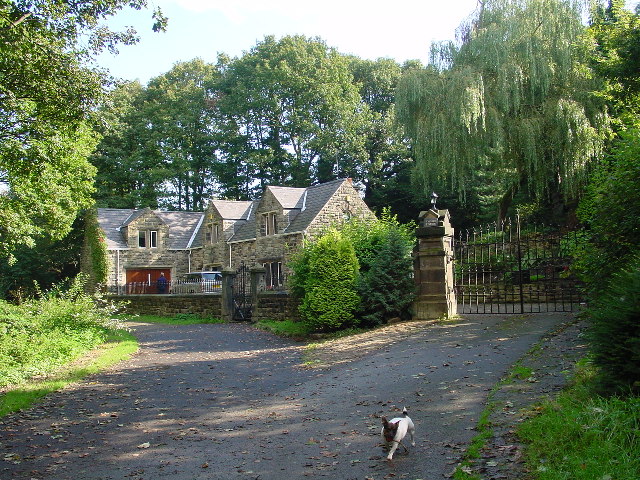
388 286
329 280
615 331
383 248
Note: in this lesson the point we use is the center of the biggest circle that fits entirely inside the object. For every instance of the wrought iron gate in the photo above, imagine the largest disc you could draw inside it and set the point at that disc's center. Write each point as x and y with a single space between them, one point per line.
242 301
507 268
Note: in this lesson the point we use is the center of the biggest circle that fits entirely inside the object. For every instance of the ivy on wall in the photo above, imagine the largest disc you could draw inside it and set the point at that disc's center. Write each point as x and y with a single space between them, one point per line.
96 256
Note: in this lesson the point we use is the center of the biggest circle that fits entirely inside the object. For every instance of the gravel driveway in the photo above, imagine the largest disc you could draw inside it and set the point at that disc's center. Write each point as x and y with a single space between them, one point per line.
228 401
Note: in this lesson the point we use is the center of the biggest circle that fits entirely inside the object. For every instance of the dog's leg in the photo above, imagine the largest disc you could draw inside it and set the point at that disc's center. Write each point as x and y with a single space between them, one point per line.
394 446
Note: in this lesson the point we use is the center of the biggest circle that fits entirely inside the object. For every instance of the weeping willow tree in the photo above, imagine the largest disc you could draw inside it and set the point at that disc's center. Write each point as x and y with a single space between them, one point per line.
510 106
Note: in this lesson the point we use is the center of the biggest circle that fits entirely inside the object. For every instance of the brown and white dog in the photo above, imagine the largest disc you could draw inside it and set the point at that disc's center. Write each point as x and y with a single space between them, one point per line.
394 431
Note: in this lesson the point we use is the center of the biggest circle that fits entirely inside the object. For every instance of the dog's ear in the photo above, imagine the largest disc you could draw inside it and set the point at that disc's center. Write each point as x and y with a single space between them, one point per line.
385 422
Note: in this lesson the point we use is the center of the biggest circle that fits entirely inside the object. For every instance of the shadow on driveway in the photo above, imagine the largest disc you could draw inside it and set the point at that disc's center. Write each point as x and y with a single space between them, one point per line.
231 402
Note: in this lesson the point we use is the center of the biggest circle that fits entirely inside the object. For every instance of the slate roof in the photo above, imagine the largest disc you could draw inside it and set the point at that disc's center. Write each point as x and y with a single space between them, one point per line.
184 227
311 198
232 209
110 220
317 197
288 197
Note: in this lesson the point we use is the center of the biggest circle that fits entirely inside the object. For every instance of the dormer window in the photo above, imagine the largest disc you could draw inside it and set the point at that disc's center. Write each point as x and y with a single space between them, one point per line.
271 223
148 238
212 233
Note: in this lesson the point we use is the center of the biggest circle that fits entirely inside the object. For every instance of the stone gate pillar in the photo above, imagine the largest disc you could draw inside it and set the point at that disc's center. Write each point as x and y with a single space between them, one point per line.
258 284
433 266
228 276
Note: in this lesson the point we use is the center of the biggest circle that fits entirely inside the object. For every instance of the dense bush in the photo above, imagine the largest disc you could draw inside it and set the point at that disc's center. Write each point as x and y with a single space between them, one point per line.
383 252
369 237
40 335
610 211
329 282
615 331
388 285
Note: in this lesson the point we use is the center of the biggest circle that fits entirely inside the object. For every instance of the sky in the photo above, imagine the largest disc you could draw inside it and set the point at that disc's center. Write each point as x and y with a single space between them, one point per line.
370 29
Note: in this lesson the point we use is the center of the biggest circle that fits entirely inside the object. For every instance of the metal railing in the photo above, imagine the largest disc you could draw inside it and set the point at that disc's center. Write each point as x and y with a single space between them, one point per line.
507 268
177 287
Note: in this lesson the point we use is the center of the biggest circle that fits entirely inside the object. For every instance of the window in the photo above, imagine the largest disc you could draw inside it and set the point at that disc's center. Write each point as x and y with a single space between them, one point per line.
273 277
207 234
216 232
148 238
271 223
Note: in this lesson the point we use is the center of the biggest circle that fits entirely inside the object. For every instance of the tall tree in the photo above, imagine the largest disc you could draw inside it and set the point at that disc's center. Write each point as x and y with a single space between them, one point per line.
513 101
386 173
614 32
291 114
46 98
181 126
130 174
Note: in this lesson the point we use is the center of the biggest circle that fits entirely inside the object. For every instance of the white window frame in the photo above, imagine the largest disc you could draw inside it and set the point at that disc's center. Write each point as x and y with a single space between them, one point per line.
271 223
153 239
273 277
142 239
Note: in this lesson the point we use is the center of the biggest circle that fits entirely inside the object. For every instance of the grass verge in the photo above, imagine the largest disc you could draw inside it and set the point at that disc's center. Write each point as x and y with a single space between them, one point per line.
119 346
284 328
583 436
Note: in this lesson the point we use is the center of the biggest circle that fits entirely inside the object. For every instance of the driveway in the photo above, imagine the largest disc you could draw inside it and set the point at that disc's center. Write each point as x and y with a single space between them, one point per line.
231 402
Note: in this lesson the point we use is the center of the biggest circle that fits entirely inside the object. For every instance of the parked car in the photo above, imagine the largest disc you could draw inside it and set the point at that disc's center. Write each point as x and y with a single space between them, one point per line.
198 282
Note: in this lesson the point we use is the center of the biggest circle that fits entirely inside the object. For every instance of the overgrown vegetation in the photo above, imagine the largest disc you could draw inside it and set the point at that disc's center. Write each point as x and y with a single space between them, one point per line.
615 332
583 436
40 335
119 345
97 254
285 328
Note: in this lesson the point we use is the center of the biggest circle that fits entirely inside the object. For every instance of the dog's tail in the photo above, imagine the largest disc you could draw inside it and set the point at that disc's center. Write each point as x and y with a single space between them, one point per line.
405 412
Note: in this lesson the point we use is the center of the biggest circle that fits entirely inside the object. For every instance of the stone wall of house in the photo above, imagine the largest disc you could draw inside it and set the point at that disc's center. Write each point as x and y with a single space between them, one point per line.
205 306
216 255
147 223
345 203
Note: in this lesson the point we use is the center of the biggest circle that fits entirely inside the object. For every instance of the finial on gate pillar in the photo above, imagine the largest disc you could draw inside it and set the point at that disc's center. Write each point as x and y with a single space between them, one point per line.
434 199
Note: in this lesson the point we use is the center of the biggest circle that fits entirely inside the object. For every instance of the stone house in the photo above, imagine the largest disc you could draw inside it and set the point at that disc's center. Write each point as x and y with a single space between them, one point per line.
142 244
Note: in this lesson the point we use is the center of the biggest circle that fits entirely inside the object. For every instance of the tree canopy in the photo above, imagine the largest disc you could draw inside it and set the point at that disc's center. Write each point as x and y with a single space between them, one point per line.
511 106
47 95
291 114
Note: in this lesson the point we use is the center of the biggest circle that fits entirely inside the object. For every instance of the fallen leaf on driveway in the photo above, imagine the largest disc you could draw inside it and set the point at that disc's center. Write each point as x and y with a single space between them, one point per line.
144 445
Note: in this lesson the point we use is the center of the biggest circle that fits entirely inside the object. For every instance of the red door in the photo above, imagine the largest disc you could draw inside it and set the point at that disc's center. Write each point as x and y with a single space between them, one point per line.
145 280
